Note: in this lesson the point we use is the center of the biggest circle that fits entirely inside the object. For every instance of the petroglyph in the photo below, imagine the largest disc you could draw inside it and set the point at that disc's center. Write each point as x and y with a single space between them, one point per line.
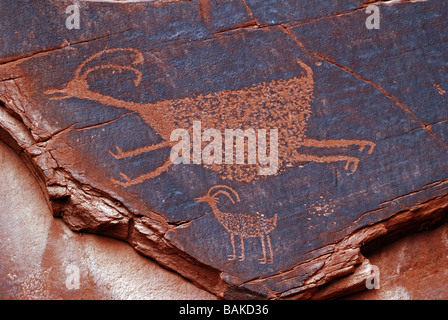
283 104
241 225
321 207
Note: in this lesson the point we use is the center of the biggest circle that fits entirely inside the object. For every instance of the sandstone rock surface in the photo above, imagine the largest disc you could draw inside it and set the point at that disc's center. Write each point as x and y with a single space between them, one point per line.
411 268
361 118
43 259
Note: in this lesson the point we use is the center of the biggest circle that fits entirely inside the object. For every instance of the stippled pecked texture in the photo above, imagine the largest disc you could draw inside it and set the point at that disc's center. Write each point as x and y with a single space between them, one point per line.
100 103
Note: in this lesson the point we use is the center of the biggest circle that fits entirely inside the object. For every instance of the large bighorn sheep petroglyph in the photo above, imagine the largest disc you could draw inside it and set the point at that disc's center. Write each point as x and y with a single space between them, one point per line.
282 104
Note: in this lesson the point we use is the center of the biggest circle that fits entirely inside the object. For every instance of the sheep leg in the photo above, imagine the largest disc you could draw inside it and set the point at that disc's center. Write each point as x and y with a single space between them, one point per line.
242 256
271 261
131 153
232 241
348 160
130 182
263 247
335 143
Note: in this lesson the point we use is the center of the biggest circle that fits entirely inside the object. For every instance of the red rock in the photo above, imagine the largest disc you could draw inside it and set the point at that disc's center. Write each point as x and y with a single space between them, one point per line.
362 154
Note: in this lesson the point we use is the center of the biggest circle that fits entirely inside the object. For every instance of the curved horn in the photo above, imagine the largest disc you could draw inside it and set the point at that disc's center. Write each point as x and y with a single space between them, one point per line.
137 72
224 192
138 59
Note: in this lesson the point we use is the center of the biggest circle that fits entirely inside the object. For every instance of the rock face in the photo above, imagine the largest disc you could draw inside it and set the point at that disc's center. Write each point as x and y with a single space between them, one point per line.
411 268
43 259
346 130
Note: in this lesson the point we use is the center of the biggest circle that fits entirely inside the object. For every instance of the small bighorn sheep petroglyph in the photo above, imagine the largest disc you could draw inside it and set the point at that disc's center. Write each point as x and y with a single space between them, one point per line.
240 224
